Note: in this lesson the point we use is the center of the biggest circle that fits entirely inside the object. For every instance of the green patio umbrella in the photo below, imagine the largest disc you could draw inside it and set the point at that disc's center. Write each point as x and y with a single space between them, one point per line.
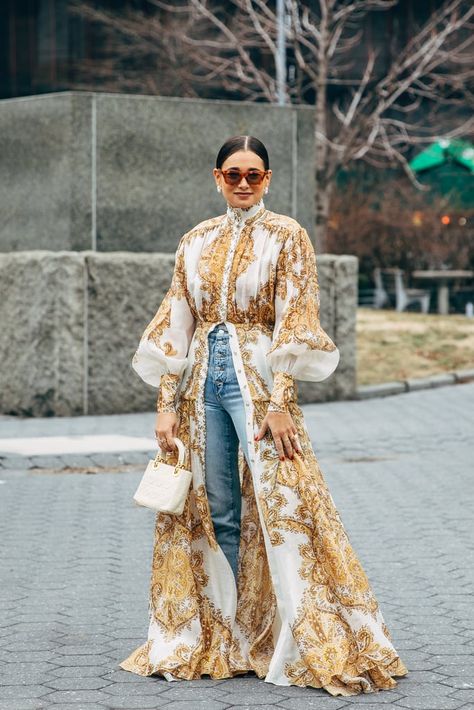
460 151
463 152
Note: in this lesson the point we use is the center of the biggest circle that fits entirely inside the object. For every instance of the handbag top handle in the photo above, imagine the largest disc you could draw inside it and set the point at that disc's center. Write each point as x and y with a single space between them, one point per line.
181 452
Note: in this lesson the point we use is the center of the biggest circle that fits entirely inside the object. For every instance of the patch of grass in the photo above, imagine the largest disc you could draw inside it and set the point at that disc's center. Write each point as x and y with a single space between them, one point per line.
398 346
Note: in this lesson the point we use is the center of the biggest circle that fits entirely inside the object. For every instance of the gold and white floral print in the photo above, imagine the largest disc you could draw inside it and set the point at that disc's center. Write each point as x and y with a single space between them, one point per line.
284 390
166 400
302 611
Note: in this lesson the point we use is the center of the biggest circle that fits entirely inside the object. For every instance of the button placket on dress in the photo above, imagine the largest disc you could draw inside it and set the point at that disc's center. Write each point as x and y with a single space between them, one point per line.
238 223
250 425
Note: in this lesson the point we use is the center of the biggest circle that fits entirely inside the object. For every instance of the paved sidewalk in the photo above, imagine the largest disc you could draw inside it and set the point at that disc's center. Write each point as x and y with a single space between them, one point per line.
75 556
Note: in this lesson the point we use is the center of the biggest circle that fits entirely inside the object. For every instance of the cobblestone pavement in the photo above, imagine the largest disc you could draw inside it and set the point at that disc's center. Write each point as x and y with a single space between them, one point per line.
75 555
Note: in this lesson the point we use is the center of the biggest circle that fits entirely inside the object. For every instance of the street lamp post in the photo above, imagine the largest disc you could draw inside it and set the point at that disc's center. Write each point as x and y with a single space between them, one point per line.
281 53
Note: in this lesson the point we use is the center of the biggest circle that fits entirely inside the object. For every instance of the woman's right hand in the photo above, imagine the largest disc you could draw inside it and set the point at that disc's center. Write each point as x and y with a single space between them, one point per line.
166 427
284 432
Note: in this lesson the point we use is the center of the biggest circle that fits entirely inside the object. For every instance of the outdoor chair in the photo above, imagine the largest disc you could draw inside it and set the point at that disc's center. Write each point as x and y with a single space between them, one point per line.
366 297
389 283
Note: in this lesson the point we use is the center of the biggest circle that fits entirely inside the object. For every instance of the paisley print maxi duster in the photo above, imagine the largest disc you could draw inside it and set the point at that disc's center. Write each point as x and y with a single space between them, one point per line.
302 612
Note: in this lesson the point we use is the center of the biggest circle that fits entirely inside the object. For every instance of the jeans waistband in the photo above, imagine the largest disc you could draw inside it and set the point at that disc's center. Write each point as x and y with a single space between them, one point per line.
219 332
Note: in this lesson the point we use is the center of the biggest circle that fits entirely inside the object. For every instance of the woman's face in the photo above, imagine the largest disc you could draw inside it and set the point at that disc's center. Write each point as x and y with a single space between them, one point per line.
242 194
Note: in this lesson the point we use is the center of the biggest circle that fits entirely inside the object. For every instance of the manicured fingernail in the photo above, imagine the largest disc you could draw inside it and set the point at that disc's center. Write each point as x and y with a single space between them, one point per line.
282 458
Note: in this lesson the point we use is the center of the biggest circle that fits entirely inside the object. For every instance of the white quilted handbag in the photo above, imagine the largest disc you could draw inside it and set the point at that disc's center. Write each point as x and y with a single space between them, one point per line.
164 487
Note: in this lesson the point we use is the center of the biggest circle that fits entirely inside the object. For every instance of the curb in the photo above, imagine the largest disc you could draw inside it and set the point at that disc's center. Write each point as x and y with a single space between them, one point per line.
78 463
412 385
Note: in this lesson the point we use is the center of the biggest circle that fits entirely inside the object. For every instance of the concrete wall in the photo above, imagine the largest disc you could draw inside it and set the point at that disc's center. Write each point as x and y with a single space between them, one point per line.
70 323
112 172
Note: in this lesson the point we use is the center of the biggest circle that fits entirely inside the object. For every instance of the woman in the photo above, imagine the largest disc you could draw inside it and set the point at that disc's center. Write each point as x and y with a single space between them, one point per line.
257 573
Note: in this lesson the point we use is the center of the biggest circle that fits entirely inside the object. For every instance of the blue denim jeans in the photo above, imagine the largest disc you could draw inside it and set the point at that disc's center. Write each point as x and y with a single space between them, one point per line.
225 427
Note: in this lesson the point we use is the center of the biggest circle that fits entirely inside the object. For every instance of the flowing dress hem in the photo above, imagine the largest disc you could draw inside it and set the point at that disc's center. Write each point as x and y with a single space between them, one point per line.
374 675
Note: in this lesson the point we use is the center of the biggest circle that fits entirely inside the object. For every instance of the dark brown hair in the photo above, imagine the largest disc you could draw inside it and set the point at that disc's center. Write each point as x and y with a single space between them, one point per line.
232 145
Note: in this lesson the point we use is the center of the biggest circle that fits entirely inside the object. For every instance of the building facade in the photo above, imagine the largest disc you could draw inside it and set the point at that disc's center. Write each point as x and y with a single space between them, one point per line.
44 45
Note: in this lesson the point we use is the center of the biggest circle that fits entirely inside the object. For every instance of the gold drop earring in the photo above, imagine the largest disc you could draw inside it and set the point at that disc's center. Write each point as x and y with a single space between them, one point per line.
219 188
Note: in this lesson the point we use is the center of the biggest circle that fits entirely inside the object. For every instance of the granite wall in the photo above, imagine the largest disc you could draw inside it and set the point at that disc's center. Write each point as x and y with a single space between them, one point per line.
71 323
111 172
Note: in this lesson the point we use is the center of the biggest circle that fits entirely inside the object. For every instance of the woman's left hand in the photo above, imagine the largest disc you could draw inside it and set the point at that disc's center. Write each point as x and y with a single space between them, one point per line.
284 432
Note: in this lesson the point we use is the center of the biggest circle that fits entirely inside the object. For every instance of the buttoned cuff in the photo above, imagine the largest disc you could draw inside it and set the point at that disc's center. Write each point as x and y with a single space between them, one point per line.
166 401
283 391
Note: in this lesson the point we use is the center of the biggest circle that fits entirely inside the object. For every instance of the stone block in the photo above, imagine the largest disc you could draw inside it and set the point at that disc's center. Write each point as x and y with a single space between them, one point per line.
418 383
464 375
344 328
41 339
381 390
45 172
444 378
143 202
337 277
124 292
72 322
85 170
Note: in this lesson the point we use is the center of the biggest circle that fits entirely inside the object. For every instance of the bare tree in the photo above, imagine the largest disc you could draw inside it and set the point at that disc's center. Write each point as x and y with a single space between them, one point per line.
372 102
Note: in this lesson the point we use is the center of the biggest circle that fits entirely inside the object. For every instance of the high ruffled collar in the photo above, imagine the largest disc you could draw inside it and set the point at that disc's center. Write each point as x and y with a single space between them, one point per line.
241 215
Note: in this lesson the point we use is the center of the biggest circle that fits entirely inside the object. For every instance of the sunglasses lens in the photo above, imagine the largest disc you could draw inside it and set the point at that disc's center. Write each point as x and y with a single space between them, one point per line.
233 177
254 178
